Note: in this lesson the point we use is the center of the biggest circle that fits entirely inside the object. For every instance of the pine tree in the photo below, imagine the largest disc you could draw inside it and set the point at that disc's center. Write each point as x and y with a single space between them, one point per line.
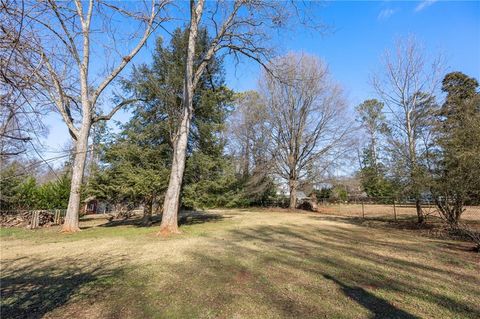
140 157
458 140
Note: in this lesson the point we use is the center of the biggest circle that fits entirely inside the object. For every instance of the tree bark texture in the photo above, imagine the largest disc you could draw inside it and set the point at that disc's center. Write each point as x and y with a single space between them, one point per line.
171 205
293 193
71 218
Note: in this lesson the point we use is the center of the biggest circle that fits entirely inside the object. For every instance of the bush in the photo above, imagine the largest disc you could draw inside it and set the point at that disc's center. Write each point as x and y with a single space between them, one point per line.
27 194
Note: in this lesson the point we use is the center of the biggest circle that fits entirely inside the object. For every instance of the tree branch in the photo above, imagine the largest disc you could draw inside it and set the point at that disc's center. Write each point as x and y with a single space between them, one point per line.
113 111
128 57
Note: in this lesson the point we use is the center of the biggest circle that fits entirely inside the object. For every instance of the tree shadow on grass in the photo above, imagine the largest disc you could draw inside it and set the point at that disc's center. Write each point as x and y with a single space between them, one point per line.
282 267
39 287
434 227
184 218
198 217
284 271
402 223
378 306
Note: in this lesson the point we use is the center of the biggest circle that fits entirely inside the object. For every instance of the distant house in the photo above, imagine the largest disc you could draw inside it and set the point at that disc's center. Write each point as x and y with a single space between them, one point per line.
92 205
300 194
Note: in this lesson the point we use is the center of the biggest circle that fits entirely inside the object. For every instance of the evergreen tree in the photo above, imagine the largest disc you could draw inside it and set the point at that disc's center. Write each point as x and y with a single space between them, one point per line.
373 171
10 179
140 157
21 191
458 138
373 177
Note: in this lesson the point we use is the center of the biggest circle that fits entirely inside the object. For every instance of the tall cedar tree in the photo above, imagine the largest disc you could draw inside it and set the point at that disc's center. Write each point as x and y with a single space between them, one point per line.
140 158
458 138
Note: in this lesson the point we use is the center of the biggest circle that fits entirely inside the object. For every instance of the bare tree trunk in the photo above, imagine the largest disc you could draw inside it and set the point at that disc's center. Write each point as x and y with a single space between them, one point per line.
407 88
171 205
418 206
374 151
55 53
246 163
147 212
71 219
293 193
414 168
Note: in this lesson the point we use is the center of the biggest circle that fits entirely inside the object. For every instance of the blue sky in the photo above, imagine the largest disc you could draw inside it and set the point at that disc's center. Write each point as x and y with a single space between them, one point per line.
360 32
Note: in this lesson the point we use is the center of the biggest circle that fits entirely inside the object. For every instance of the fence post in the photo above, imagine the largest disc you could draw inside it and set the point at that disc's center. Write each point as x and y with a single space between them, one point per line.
394 210
363 210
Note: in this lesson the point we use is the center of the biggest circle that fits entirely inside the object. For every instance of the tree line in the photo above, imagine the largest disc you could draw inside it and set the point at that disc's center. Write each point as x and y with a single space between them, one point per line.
423 133
193 142
51 45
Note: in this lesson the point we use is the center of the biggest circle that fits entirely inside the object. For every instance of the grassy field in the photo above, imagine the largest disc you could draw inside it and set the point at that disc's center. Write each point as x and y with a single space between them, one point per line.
238 264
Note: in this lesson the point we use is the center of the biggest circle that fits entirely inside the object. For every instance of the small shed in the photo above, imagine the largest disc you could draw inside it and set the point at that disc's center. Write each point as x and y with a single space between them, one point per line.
92 205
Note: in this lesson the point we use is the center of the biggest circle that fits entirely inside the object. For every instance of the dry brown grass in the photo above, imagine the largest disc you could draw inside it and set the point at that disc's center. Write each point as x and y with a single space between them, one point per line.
238 264
379 210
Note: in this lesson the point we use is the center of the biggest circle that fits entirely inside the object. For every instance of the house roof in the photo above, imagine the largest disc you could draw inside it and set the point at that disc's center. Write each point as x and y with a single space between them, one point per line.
301 195
89 198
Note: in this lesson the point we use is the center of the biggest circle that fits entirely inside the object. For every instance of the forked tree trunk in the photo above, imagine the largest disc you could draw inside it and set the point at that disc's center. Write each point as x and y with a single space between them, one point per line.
451 212
71 218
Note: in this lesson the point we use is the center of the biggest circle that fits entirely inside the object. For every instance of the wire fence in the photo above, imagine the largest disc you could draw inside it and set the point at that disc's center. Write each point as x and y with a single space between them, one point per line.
397 207
393 208
394 211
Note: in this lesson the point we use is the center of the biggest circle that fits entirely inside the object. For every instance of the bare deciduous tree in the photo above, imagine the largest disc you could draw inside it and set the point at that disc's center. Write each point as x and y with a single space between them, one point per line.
248 144
309 126
241 28
61 42
407 86
249 136
19 119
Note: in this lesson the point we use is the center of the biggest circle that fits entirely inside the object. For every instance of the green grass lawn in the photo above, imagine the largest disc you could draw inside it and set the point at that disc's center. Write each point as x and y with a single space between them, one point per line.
237 264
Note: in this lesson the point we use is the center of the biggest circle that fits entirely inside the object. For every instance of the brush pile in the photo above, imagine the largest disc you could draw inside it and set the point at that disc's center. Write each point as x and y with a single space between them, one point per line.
27 219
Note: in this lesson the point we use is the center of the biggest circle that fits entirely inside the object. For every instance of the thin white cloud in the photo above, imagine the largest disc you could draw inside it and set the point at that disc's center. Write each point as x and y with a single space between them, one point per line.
385 14
424 4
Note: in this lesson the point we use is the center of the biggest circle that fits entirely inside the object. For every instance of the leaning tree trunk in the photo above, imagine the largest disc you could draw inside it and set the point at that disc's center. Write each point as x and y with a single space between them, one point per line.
171 205
71 218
